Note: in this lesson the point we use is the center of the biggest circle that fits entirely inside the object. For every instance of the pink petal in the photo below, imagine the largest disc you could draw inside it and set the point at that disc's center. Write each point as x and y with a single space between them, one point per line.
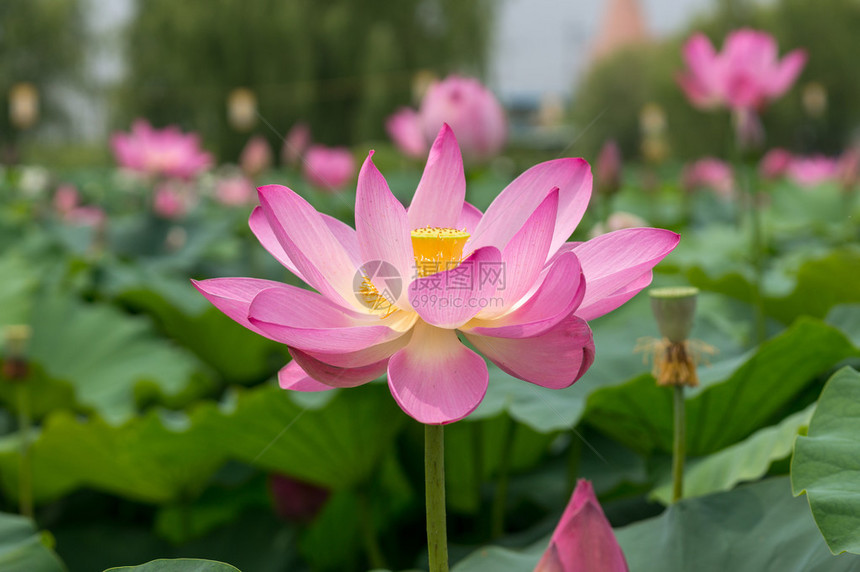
441 192
553 359
382 227
518 200
335 376
451 298
306 239
291 376
611 262
470 216
364 357
558 295
523 257
436 379
617 298
233 296
310 322
786 73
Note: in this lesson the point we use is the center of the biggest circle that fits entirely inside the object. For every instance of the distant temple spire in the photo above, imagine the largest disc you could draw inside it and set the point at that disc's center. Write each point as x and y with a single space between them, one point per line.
623 25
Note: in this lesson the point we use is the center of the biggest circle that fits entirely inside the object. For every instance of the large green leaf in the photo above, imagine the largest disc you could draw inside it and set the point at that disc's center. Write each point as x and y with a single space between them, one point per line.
639 413
745 461
24 549
754 527
178 565
18 281
826 463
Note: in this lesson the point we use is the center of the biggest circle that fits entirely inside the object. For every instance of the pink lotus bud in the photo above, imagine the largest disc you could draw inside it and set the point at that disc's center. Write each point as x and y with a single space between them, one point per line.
405 129
774 164
170 202
66 198
296 500
235 191
296 143
472 112
583 541
709 173
812 170
608 168
256 156
329 168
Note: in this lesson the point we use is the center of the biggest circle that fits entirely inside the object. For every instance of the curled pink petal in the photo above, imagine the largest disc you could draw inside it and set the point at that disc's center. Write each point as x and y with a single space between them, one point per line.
440 195
292 376
335 376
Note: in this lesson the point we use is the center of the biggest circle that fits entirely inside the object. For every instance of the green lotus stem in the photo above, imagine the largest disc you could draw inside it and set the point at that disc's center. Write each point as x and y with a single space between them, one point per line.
501 495
371 542
25 473
758 262
478 457
434 479
679 445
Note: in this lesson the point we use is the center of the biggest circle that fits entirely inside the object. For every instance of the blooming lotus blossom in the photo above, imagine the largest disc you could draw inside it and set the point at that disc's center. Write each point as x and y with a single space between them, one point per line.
393 295
775 163
167 152
812 170
710 173
256 157
472 112
296 143
747 74
583 541
406 130
617 221
234 191
328 168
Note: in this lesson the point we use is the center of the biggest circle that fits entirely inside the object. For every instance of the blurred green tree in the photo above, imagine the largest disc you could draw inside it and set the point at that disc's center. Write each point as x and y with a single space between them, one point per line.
340 65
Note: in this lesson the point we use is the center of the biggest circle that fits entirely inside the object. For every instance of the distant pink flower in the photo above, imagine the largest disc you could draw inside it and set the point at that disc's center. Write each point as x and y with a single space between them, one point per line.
66 198
296 500
775 163
710 173
296 143
617 221
583 541
170 201
234 191
747 74
608 168
67 205
167 152
86 216
849 167
394 293
812 170
328 168
256 157
405 129
472 112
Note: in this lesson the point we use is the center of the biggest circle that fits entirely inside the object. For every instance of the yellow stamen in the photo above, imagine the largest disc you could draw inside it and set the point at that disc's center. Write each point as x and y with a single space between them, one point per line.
437 249
374 300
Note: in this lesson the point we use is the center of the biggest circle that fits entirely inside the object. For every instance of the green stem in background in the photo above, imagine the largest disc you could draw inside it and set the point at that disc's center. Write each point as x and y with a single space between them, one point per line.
368 532
500 497
477 429
574 456
679 445
434 479
756 246
25 473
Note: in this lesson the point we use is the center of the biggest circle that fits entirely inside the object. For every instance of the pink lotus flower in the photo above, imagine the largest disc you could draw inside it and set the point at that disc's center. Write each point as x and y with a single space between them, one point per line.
234 191
775 163
849 168
583 541
67 205
256 157
393 294
167 152
296 500
472 112
812 170
608 168
66 199
405 129
710 173
747 74
171 201
296 143
329 168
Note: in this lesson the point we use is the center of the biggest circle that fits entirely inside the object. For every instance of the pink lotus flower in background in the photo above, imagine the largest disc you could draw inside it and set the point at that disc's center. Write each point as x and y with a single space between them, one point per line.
710 173
296 500
812 170
608 168
328 168
406 130
86 216
167 152
66 198
472 112
747 74
393 294
171 201
583 541
775 163
234 191
67 204
296 142
617 221
256 157
849 168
